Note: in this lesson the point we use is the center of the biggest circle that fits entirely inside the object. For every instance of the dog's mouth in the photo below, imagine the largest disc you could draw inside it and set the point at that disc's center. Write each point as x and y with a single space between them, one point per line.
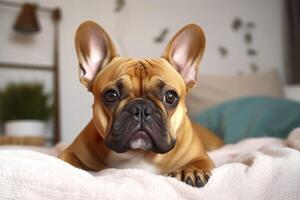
140 140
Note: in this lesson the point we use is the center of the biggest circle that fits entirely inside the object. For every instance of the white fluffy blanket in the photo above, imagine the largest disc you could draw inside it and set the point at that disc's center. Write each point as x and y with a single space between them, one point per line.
264 168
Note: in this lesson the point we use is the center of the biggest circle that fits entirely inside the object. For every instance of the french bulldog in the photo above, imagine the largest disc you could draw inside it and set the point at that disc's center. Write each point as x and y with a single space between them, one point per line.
139 114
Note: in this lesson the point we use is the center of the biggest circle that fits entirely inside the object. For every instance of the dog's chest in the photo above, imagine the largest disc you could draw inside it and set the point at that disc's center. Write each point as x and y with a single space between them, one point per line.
131 160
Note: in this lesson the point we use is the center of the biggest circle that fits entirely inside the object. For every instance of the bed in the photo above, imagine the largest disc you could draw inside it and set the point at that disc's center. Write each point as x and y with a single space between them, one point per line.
260 168
252 168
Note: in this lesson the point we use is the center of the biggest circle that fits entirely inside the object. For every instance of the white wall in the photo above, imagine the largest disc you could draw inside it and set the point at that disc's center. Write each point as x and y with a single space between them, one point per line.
133 30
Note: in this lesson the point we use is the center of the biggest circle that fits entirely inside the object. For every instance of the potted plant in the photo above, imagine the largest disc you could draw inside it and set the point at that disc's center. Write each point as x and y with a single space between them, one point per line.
24 109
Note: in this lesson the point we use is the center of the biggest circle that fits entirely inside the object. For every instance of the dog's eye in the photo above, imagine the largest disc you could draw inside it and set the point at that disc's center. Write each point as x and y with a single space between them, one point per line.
171 97
111 96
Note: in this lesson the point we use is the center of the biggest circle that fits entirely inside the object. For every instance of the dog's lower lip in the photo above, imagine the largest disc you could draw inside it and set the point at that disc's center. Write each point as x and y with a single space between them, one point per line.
139 134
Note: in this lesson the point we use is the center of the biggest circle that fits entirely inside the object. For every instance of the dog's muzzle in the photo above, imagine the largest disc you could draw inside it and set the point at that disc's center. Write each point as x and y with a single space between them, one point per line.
140 125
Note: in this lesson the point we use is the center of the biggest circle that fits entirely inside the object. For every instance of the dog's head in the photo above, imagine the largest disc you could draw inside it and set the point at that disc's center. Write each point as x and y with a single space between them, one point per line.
138 103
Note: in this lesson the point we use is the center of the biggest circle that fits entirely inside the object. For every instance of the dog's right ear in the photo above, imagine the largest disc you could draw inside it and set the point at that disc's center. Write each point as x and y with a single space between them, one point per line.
94 50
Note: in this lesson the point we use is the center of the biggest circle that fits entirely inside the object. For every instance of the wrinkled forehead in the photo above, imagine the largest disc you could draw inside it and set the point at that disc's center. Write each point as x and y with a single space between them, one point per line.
139 75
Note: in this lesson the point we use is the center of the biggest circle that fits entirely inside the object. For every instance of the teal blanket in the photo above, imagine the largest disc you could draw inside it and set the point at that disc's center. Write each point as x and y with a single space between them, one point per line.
251 117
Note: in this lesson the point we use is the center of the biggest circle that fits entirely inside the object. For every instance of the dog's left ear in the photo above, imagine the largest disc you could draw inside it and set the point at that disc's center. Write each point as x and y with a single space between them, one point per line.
185 51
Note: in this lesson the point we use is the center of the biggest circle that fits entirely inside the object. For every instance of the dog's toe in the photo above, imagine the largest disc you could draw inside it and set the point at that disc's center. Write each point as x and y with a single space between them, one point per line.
189 177
200 178
192 177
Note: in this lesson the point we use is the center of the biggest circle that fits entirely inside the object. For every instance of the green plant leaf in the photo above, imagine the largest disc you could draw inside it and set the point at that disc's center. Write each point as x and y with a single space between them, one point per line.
223 51
120 4
251 52
161 37
236 24
248 38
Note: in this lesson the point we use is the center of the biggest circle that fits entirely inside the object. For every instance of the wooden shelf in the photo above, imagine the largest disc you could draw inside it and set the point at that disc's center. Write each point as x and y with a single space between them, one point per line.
22 140
55 15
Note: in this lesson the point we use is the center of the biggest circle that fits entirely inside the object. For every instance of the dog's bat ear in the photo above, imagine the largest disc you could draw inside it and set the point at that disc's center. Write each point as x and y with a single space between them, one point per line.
185 51
94 50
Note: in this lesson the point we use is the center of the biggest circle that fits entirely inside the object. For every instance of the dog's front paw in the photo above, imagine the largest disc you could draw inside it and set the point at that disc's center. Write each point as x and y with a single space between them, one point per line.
191 176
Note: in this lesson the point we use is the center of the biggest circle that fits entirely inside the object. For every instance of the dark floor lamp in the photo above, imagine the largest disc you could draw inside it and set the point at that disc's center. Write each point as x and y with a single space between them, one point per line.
27 23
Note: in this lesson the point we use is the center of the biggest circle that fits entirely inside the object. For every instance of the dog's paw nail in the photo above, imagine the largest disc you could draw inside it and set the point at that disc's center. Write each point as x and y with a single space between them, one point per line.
189 181
207 175
171 174
198 182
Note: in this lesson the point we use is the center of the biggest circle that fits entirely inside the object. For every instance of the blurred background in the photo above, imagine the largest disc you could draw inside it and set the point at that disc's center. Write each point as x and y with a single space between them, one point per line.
251 50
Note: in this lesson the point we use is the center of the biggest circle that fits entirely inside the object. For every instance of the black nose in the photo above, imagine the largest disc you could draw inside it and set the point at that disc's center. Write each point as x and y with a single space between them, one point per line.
141 108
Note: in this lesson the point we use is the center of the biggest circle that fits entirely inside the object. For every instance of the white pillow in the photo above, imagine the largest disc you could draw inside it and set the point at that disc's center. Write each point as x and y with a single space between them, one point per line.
213 89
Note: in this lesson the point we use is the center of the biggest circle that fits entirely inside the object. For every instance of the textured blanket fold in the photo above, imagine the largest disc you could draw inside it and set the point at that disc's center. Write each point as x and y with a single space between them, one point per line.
252 169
